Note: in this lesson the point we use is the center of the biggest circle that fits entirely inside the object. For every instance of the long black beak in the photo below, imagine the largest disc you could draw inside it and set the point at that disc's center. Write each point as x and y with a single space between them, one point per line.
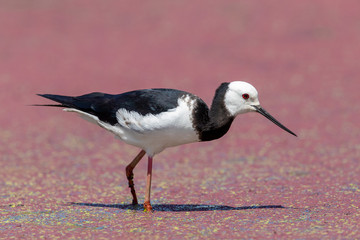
262 111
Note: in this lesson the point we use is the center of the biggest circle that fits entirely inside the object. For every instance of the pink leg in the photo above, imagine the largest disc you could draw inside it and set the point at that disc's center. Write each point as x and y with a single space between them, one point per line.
147 205
130 175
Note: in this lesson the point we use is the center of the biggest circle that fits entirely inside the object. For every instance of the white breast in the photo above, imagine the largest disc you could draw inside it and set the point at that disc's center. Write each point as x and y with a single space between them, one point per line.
153 133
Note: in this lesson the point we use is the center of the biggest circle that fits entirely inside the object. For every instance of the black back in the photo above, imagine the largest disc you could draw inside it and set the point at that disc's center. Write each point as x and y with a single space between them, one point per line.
105 106
209 124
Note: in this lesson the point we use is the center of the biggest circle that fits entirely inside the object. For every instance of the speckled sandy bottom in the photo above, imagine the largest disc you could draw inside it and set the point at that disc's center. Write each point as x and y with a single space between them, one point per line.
49 193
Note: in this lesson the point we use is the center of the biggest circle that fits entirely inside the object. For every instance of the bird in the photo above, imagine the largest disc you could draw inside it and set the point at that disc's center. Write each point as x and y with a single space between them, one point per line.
158 118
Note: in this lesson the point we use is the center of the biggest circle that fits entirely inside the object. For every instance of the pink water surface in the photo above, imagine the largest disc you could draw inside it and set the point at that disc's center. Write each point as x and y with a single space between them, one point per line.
256 182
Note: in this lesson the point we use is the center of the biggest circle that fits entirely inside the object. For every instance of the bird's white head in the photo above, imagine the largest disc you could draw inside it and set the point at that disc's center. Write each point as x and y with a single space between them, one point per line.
241 97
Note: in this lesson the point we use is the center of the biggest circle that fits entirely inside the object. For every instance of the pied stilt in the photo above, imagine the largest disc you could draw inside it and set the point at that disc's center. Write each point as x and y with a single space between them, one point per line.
155 119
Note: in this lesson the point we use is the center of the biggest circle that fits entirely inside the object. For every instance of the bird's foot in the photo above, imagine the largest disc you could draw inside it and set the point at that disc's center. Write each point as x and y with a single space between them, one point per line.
147 207
133 193
130 177
134 201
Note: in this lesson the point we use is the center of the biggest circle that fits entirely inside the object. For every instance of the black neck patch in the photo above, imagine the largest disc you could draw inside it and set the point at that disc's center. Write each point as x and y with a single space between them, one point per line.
214 123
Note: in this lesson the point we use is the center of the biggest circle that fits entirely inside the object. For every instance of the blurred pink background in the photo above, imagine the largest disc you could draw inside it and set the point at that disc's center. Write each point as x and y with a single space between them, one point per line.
302 56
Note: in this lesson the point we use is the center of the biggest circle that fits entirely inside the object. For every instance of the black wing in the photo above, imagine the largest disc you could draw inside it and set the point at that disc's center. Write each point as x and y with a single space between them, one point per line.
105 106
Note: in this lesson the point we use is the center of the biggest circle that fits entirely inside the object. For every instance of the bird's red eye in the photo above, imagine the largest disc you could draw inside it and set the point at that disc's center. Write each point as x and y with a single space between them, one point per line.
245 96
